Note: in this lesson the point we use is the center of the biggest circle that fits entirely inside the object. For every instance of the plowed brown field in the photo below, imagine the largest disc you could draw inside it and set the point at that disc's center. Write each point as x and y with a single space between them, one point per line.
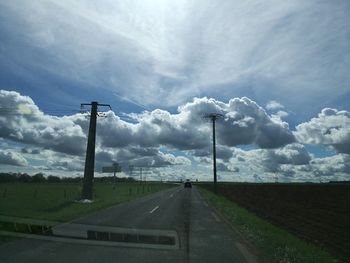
319 213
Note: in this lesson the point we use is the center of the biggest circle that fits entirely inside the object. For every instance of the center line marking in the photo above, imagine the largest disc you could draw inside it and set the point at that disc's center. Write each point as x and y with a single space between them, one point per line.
154 209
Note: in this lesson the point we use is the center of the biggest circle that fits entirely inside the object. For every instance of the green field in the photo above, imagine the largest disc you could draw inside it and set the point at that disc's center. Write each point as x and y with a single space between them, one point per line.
57 201
274 244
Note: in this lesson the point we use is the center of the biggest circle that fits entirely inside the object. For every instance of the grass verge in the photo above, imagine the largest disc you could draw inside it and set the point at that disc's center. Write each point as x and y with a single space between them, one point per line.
275 244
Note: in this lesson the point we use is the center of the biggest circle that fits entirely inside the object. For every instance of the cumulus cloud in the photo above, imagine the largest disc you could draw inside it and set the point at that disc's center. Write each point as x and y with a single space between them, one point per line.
153 129
294 154
290 163
30 151
222 152
272 160
331 127
248 123
160 160
139 157
22 121
331 166
222 167
244 122
225 167
12 158
150 138
66 165
274 105
139 140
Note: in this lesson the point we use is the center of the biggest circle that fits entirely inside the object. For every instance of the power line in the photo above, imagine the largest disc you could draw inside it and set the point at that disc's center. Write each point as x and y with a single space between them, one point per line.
29 111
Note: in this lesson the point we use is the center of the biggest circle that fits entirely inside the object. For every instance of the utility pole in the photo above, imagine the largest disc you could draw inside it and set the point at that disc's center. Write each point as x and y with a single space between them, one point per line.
90 151
213 117
140 175
131 169
116 168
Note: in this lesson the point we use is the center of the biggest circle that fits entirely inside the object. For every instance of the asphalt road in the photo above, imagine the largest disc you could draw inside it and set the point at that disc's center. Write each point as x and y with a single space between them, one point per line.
199 234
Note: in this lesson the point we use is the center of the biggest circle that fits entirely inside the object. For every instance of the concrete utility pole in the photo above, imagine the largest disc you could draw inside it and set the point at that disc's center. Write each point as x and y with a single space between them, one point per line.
116 168
131 169
213 117
140 175
90 151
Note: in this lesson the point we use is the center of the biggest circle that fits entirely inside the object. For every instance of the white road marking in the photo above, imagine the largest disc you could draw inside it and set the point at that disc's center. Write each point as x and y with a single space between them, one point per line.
216 217
172 195
154 209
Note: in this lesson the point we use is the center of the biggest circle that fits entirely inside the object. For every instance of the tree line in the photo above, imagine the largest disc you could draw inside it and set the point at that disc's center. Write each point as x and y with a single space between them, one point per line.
42 178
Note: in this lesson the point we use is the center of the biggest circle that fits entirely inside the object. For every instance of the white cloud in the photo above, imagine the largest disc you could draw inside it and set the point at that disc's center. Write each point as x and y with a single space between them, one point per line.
295 154
138 157
226 167
271 160
66 164
22 121
337 165
151 138
12 158
138 142
290 163
160 160
244 122
274 105
331 127
331 168
248 123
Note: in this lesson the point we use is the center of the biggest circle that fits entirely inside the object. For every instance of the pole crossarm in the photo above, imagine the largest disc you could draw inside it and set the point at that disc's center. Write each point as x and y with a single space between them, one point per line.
213 116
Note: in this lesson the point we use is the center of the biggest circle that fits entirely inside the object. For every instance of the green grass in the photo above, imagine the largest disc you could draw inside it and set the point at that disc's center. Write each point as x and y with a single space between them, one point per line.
275 244
56 201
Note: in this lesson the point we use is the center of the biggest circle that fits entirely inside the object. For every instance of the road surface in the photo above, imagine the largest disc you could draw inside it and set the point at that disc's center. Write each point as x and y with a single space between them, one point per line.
177 224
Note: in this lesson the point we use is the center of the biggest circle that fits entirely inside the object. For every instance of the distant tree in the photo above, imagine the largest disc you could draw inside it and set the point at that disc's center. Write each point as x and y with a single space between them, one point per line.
24 178
71 179
53 179
130 179
8 177
38 178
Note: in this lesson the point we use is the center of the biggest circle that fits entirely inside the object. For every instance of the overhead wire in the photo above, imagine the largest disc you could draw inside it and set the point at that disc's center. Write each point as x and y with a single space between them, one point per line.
29 111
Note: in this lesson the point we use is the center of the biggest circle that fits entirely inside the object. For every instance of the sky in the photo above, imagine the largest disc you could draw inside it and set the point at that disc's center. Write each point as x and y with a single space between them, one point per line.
276 70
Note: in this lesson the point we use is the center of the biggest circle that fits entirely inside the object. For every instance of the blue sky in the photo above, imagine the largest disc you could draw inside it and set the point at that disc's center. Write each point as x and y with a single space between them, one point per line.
290 58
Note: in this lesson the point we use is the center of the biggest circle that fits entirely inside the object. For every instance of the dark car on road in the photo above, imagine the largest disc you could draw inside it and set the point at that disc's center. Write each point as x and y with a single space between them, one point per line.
187 185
